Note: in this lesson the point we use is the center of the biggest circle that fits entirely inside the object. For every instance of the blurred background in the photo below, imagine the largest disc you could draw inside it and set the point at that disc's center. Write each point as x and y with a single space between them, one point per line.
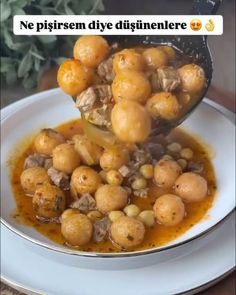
28 64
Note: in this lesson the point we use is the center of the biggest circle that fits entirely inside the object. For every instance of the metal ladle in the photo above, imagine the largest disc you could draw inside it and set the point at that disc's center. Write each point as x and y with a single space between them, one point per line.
193 46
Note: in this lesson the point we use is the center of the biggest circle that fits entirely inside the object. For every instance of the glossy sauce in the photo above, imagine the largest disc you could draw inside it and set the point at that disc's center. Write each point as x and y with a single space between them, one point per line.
158 235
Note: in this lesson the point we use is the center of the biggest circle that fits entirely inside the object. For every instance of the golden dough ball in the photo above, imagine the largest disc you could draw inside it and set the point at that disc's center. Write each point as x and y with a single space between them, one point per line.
128 59
32 178
111 198
65 158
166 172
169 51
127 232
155 58
73 77
163 105
68 213
169 209
131 85
89 151
47 140
91 50
131 122
114 159
49 201
85 180
77 229
193 78
191 187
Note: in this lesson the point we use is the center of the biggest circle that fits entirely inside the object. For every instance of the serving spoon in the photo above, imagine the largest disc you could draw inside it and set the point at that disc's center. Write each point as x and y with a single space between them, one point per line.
195 47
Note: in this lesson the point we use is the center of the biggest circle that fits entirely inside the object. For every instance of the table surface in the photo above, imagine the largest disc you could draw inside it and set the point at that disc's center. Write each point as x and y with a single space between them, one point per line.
227 286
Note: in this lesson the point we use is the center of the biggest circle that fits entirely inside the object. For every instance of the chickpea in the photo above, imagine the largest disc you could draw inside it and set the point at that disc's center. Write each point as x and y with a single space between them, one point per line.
114 159
192 78
147 171
128 59
131 122
85 180
89 151
147 217
182 163
110 197
68 213
155 58
65 158
115 215
32 178
77 229
169 51
139 183
73 77
131 85
166 172
132 210
127 232
48 201
186 153
191 187
91 50
169 209
47 140
94 215
114 177
174 147
167 157
163 105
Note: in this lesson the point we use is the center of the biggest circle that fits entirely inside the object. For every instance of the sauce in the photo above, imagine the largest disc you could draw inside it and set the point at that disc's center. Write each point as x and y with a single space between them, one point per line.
156 236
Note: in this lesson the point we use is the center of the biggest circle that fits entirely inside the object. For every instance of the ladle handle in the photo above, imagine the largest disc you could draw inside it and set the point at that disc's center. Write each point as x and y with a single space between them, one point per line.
207 7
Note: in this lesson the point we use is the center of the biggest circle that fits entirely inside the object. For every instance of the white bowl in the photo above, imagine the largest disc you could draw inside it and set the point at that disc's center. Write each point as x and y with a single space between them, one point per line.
51 108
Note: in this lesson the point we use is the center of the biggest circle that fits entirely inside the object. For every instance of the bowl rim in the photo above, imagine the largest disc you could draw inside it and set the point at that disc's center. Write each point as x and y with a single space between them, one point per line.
218 108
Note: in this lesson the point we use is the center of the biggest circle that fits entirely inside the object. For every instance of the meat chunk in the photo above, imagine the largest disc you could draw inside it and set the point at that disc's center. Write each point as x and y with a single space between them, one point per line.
100 116
124 171
35 160
100 229
141 157
142 193
155 82
48 219
105 70
93 96
60 179
48 163
84 204
169 78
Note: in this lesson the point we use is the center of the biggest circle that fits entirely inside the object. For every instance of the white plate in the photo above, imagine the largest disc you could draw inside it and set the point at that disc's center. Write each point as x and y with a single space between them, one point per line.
50 108
24 269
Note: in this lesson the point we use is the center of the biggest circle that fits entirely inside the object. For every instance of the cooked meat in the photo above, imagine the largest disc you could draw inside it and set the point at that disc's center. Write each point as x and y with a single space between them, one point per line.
196 167
48 220
48 163
100 229
105 70
141 157
85 203
169 78
35 160
92 96
142 193
86 100
60 179
124 171
100 116
156 150
155 82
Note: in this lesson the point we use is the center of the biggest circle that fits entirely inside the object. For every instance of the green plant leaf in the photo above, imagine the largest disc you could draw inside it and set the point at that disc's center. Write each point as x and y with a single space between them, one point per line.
6 64
11 76
29 81
25 65
5 9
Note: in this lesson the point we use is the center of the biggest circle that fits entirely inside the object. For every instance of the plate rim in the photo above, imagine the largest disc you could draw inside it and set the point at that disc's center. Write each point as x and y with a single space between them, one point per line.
91 255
